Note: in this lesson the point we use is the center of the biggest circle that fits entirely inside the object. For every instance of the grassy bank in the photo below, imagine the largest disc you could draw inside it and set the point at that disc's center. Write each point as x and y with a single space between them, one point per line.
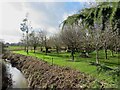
41 74
81 64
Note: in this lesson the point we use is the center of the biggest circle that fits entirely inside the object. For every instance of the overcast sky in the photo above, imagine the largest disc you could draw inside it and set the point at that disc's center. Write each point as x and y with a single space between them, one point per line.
45 15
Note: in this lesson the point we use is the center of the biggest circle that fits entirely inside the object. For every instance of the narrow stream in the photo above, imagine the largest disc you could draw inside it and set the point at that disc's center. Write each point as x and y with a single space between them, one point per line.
18 79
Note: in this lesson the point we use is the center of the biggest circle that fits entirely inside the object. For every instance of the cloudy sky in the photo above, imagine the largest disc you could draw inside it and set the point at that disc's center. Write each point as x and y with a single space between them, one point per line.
44 15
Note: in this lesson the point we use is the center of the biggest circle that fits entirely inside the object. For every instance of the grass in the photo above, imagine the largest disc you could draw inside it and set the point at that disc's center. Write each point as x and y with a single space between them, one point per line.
81 64
13 48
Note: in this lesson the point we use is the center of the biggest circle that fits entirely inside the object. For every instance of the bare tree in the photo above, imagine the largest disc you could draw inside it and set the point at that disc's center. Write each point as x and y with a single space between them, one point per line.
107 38
43 40
86 41
33 40
71 36
42 34
56 42
26 27
97 40
23 41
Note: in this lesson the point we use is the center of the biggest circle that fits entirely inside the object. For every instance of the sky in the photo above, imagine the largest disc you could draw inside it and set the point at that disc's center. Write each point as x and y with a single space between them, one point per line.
42 15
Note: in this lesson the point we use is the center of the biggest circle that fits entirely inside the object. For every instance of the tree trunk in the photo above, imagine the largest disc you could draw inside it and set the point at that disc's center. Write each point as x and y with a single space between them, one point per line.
105 50
57 49
27 41
72 54
31 48
105 53
41 49
46 51
46 47
97 58
25 48
87 54
34 49
115 49
112 54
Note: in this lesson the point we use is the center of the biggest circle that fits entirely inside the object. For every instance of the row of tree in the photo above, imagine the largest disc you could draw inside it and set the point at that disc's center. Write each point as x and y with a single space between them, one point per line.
90 30
100 26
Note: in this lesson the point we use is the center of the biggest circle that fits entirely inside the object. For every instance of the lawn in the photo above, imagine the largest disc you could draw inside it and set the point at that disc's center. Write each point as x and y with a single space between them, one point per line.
81 64
15 48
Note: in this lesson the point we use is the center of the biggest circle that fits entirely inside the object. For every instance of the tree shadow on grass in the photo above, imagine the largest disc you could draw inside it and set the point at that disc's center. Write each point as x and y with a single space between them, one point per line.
53 54
59 55
70 60
111 63
81 59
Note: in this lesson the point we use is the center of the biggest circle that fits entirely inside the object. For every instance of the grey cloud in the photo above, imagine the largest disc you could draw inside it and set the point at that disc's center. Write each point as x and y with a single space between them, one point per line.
53 11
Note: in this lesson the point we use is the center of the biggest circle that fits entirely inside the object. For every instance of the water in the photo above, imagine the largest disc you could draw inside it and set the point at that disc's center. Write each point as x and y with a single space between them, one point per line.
18 78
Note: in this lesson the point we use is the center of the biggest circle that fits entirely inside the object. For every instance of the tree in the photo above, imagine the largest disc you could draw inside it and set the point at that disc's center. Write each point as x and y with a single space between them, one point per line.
47 44
56 41
23 41
43 40
25 27
107 38
33 40
97 40
42 34
99 14
70 35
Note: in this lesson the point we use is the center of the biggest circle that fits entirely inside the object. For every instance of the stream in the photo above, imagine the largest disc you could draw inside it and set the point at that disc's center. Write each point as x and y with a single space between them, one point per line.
18 79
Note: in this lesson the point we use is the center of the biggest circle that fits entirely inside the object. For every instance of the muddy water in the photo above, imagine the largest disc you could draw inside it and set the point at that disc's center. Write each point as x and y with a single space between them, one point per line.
18 79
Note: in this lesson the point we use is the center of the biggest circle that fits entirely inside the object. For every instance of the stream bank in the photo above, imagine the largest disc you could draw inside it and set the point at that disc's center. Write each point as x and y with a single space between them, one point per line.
5 79
40 74
11 77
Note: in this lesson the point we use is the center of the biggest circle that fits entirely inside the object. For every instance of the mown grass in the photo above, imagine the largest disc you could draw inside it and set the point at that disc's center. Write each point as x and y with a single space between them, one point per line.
81 64
14 48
